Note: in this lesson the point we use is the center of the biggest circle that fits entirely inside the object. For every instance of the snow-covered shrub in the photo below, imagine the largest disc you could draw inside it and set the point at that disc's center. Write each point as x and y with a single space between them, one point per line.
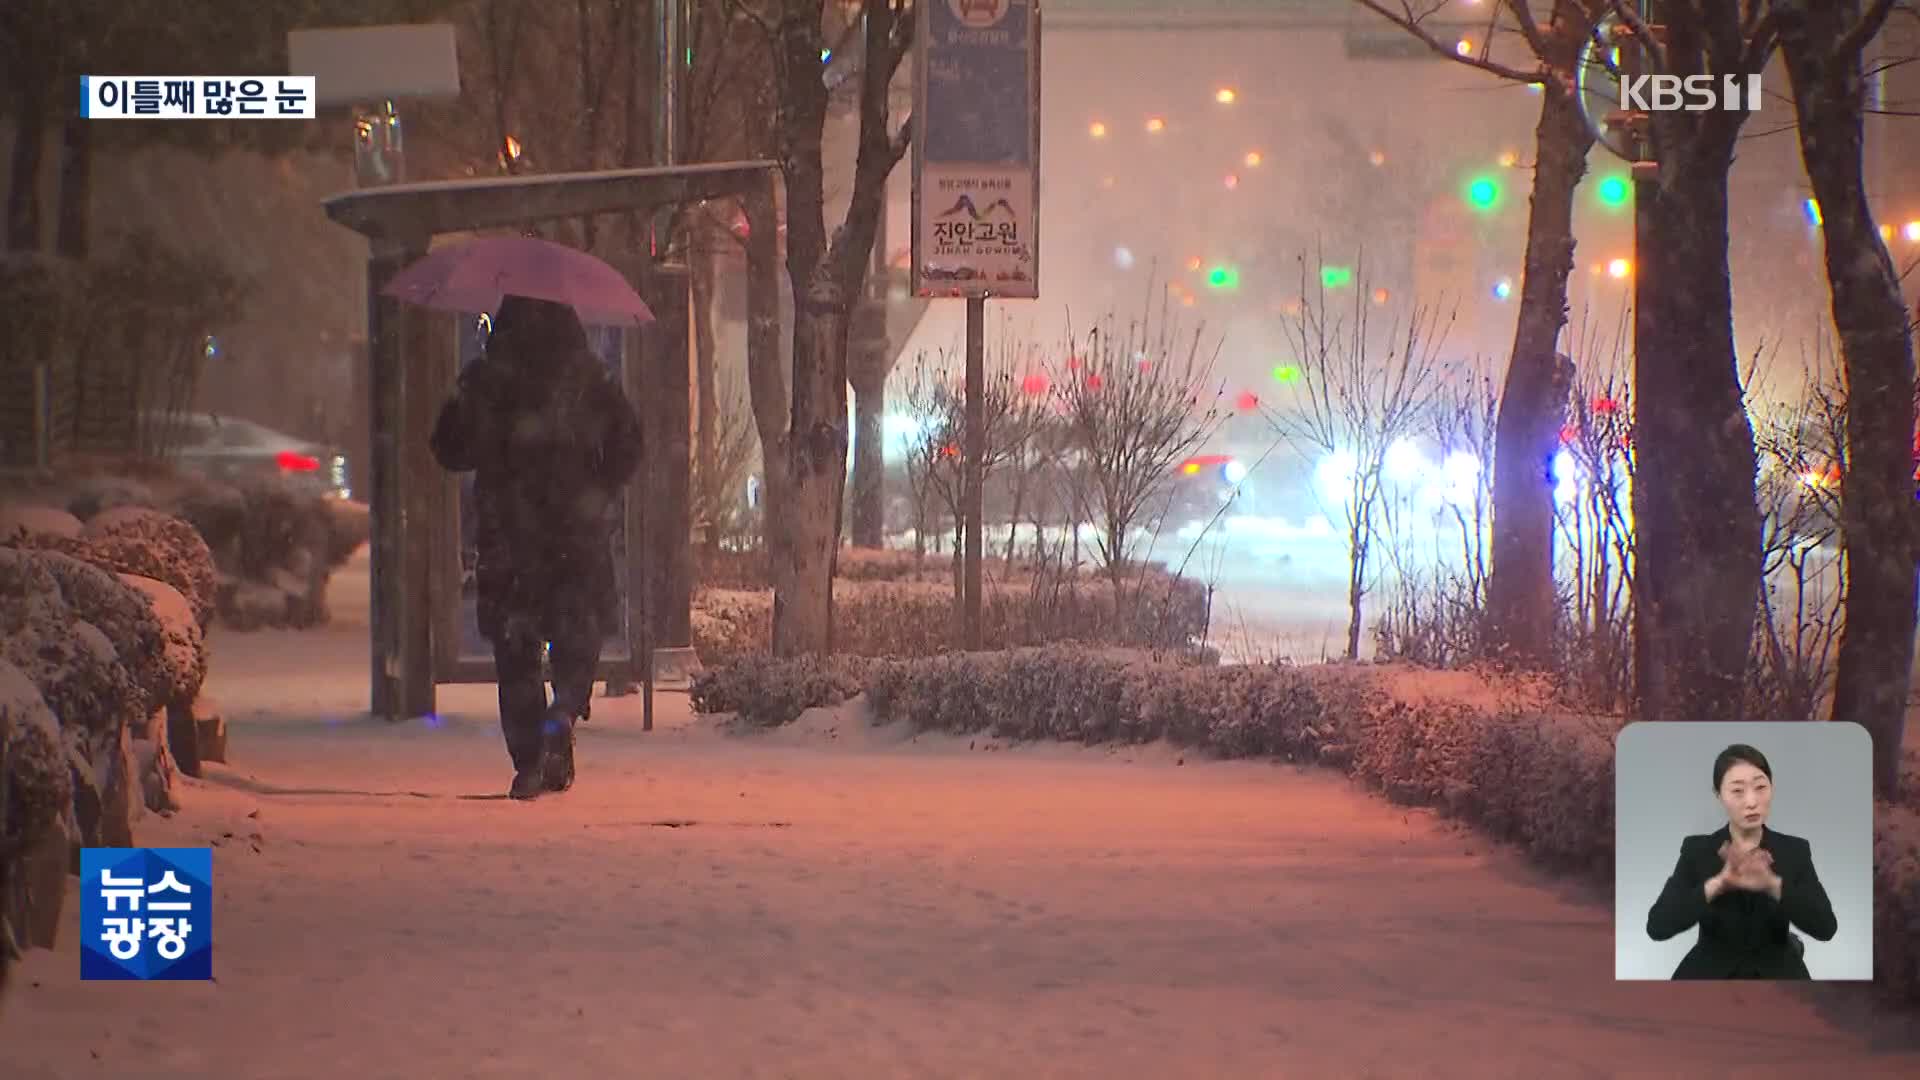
1896 900
137 540
36 817
21 520
271 548
768 692
104 599
916 619
79 676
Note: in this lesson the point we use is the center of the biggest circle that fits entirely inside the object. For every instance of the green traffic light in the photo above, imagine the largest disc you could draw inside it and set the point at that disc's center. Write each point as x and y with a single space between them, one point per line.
1223 277
1483 193
1336 277
1615 191
1286 373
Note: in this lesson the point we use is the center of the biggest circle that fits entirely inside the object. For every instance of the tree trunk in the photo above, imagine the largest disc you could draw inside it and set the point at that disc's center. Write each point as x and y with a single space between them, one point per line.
76 188
1356 588
1876 348
1533 402
1020 476
1697 523
816 477
706 389
23 189
869 371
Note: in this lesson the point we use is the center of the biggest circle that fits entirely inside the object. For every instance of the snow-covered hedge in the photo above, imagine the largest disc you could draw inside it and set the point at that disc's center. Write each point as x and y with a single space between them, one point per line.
1542 780
906 619
259 552
767 693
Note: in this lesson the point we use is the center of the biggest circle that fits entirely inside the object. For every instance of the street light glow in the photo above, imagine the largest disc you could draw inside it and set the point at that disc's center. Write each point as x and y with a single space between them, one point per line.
1097 129
1483 193
1155 125
1225 95
1254 159
1912 232
1464 47
1619 268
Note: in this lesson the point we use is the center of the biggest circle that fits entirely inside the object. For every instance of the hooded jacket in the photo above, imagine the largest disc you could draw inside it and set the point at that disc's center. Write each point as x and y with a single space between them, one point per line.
552 441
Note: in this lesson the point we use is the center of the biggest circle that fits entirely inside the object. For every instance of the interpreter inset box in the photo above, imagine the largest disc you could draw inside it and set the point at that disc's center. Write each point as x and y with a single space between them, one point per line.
1743 851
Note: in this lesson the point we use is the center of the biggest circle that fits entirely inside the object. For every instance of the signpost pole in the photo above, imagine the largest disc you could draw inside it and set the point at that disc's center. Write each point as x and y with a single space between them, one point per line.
976 200
976 451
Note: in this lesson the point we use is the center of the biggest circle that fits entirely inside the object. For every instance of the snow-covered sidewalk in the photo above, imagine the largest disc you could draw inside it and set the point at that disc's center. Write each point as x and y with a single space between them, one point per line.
835 901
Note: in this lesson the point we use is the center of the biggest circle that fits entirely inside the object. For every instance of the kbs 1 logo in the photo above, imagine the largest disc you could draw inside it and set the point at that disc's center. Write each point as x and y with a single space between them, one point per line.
1693 93
146 913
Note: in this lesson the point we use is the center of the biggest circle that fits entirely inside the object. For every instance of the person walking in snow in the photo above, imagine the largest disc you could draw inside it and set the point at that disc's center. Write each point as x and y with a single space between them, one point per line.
552 441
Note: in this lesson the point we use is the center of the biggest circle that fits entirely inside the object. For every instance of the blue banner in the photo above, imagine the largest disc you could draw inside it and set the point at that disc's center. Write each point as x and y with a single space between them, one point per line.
978 92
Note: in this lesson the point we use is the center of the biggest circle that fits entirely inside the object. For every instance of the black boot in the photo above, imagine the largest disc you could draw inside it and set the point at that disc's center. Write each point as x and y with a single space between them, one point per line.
528 784
557 759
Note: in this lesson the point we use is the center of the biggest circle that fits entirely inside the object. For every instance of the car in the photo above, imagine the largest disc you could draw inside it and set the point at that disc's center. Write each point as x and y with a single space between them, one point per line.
229 448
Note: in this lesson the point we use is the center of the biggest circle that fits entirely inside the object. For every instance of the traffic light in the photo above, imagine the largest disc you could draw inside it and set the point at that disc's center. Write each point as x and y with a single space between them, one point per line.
1614 191
1223 277
1336 277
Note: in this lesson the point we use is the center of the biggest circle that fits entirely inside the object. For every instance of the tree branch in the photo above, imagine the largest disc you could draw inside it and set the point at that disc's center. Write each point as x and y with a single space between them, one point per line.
1522 11
1855 40
1410 22
902 141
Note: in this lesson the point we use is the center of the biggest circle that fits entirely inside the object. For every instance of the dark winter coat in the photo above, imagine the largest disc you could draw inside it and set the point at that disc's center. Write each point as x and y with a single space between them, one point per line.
1743 935
552 441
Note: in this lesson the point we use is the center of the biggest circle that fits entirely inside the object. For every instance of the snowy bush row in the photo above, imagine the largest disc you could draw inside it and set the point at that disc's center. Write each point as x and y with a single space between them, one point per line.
260 553
1543 781
908 619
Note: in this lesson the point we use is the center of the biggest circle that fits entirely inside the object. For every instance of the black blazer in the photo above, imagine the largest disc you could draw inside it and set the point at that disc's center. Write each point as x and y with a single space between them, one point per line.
1743 935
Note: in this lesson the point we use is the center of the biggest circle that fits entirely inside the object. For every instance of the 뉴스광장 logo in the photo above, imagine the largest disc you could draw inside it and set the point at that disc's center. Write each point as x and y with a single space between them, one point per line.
146 913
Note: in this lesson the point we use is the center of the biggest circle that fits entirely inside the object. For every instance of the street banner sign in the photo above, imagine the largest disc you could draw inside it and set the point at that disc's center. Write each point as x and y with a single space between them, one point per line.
976 149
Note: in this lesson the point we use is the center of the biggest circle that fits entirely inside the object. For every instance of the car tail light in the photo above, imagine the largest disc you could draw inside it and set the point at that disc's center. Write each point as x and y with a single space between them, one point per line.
292 462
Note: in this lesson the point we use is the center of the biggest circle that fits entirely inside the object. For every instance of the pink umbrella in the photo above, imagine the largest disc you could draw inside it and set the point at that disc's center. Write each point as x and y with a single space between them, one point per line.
472 277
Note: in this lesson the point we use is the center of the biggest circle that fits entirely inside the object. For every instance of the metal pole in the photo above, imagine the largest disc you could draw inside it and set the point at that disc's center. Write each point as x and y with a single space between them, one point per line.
644 658
1646 344
976 449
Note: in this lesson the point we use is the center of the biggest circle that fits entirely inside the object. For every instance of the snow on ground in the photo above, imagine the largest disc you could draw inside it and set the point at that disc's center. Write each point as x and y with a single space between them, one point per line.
835 900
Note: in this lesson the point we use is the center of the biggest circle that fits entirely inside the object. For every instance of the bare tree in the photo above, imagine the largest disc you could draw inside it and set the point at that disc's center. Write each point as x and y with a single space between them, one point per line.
1136 399
1803 459
1520 598
720 508
1824 43
1593 477
1361 392
1697 528
803 424
936 397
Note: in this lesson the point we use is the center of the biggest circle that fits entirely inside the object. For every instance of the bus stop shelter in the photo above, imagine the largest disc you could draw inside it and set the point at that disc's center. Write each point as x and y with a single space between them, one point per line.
415 533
